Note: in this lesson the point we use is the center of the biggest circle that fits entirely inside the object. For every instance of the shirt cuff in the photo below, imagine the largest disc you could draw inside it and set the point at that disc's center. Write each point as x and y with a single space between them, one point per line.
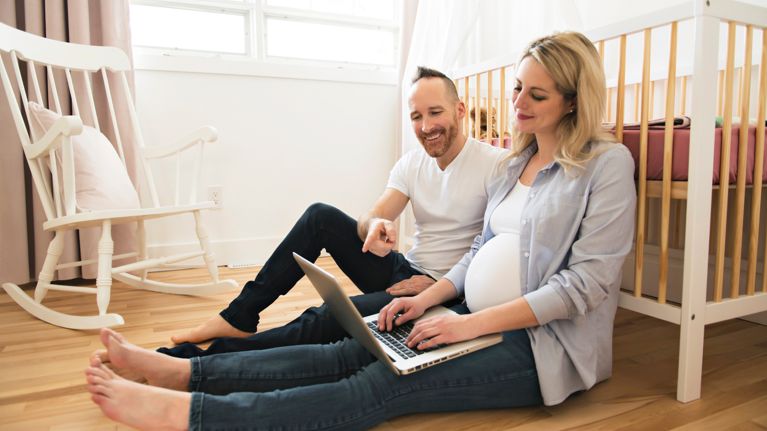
457 276
546 304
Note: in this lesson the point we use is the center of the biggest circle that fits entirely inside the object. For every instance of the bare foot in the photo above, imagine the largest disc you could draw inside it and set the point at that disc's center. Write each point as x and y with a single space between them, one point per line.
139 406
139 364
215 327
103 356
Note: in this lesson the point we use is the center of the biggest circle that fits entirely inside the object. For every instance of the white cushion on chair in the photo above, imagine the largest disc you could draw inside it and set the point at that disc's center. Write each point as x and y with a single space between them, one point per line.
101 181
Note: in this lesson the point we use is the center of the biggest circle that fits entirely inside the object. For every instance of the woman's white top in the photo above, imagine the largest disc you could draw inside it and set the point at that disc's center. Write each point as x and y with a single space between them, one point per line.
493 275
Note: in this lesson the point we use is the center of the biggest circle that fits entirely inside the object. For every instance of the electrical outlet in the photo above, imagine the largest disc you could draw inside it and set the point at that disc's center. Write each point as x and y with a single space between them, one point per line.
216 194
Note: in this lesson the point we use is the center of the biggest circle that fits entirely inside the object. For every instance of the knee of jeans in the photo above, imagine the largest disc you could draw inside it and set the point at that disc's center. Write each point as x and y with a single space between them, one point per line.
320 210
315 314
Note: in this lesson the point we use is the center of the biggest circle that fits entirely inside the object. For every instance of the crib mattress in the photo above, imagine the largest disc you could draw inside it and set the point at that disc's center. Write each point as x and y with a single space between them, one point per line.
681 153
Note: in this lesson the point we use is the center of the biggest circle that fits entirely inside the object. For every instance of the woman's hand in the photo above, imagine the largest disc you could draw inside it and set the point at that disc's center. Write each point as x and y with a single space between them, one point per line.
438 330
399 311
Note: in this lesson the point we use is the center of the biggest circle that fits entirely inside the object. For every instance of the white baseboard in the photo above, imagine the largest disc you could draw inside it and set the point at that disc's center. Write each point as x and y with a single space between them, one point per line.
237 253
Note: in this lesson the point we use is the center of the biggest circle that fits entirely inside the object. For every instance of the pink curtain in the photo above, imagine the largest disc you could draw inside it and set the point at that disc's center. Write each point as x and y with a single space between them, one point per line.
24 243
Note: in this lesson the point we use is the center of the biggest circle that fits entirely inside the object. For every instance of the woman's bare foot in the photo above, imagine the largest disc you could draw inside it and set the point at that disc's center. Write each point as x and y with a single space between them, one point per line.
139 406
103 356
142 365
215 327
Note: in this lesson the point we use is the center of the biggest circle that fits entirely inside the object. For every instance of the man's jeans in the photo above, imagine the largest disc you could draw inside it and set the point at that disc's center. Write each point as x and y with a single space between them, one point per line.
342 386
321 226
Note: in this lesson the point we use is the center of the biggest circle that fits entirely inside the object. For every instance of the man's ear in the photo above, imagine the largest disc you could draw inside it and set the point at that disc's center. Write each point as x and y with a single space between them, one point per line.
460 109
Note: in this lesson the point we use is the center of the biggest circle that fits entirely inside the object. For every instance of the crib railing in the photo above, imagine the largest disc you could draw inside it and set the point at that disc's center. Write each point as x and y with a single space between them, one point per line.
726 236
487 92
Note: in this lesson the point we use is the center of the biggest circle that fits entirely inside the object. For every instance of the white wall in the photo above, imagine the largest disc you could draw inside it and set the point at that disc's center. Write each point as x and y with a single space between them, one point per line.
283 144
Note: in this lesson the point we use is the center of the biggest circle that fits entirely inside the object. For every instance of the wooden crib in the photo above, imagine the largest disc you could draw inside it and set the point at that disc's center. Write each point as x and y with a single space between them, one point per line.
711 224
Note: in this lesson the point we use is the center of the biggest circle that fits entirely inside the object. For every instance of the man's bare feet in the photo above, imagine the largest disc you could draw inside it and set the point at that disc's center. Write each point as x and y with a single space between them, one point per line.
215 327
141 365
139 406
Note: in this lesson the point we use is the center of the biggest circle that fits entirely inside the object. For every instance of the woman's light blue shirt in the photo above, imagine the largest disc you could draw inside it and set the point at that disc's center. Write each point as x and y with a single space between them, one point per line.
577 229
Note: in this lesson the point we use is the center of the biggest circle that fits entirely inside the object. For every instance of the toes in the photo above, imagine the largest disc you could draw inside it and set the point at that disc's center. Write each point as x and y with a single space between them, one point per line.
101 354
98 372
94 360
108 371
104 336
178 339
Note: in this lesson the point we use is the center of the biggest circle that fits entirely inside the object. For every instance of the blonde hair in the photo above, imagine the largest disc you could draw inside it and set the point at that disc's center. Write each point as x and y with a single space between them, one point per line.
574 64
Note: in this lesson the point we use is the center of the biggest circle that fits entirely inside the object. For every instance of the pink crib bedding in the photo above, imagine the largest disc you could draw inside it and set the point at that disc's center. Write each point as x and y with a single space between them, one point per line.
681 152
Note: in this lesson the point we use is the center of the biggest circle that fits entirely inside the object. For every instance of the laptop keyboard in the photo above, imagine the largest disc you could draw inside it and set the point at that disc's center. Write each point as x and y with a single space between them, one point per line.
395 339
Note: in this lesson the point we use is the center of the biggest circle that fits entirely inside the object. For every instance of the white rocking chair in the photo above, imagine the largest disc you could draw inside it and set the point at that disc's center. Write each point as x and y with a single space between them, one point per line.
51 155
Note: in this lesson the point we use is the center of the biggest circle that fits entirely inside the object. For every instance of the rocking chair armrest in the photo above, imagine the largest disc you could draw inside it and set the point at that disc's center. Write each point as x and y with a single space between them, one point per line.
64 126
205 134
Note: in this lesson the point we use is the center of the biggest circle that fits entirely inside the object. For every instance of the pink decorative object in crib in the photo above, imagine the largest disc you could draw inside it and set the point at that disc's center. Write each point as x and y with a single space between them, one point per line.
682 151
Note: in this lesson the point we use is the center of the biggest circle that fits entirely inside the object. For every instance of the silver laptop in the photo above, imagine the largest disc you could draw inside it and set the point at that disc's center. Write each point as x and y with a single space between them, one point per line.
388 347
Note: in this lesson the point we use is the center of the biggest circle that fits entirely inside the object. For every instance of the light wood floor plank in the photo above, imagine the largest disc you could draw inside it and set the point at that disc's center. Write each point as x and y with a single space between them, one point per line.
42 384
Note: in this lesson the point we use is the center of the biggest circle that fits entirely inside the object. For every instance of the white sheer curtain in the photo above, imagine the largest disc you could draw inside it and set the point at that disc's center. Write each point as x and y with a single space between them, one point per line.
447 34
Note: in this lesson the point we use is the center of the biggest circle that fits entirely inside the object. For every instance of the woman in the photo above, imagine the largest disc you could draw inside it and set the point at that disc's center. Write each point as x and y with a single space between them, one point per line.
545 272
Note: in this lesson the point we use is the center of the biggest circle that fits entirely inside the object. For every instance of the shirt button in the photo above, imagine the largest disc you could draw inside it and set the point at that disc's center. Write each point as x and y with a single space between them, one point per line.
527 254
524 221
532 195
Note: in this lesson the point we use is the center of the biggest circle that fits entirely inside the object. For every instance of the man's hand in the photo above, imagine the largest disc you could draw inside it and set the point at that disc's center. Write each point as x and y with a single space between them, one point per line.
411 286
438 330
381 237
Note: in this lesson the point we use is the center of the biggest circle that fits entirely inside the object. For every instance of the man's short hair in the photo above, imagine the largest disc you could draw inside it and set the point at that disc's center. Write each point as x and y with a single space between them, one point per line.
425 72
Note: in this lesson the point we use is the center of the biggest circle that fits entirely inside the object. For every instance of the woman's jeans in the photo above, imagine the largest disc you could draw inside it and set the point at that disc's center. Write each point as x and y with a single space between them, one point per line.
343 386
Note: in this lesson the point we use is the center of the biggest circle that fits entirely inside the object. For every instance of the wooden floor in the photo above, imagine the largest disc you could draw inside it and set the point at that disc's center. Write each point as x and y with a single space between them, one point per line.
42 384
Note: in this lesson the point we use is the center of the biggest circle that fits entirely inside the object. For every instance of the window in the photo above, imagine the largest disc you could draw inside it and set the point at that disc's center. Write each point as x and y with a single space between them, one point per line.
188 29
343 33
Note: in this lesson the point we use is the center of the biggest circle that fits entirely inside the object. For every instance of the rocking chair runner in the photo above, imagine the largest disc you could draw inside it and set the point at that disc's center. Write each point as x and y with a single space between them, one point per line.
59 173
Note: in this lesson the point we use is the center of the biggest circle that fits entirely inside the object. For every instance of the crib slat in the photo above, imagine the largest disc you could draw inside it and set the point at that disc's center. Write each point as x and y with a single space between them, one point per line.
504 114
683 97
610 108
636 102
720 94
489 108
642 180
468 105
759 155
621 89
668 151
740 189
724 166
601 47
477 105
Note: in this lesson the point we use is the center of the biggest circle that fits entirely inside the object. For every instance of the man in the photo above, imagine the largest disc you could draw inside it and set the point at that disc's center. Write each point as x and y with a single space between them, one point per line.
446 184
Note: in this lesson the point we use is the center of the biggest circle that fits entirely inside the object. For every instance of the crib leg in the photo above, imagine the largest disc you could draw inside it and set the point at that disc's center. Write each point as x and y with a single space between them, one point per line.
690 356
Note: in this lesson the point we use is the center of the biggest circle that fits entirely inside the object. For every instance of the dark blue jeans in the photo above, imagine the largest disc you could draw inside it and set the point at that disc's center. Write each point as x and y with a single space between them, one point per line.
341 386
321 226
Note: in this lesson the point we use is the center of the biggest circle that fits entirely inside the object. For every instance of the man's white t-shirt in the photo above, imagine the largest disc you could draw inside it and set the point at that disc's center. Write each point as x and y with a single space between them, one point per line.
448 205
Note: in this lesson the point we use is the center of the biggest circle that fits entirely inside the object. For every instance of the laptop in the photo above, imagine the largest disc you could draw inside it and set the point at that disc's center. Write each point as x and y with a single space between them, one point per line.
388 347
